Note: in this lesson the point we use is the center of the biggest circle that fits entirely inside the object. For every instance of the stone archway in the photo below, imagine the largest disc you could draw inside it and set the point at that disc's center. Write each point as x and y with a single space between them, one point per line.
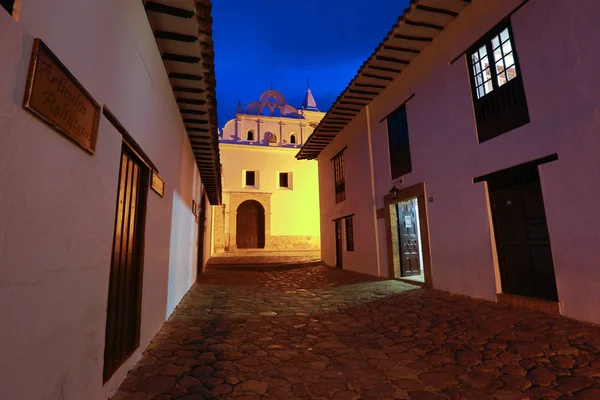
250 225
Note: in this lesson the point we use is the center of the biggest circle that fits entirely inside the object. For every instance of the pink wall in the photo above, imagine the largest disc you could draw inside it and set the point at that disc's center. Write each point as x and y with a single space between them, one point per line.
558 61
57 203
358 198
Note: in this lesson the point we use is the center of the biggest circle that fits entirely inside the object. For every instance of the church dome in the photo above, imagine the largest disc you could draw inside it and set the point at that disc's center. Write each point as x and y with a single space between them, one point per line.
271 103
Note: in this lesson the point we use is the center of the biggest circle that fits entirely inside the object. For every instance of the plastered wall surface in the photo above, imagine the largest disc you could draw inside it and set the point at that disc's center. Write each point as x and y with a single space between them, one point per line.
57 203
558 63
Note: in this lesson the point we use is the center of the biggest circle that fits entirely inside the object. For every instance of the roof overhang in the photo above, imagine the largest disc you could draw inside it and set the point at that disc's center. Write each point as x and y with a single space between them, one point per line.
419 25
183 32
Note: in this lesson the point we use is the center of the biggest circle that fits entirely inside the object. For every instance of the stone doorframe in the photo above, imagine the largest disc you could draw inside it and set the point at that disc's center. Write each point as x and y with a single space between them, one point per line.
237 198
408 193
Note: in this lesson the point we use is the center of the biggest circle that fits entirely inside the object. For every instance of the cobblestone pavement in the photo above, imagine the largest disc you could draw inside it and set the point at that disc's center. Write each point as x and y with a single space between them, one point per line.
322 333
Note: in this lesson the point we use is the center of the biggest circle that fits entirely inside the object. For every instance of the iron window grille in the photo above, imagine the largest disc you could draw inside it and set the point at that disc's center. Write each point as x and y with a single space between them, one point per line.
497 84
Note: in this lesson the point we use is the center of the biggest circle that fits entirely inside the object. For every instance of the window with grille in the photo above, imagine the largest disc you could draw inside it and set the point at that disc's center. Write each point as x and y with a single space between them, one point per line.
284 179
399 145
340 179
350 234
497 84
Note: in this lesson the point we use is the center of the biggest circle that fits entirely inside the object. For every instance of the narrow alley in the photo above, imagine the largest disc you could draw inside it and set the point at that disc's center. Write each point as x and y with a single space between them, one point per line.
323 333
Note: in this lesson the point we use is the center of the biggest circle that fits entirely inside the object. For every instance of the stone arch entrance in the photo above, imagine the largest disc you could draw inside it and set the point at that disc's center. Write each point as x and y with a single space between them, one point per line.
250 225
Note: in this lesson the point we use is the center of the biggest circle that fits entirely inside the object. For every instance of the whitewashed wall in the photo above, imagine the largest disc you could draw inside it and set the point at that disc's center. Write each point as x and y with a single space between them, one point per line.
57 203
558 61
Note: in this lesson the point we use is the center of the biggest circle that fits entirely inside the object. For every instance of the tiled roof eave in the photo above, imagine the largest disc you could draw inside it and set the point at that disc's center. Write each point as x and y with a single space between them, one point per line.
183 32
418 26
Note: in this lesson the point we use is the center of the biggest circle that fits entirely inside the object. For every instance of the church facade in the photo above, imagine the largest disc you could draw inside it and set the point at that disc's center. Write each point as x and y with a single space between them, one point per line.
270 199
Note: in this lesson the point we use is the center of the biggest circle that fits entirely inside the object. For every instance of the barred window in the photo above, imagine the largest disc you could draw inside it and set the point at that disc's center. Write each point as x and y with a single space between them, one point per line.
349 233
340 179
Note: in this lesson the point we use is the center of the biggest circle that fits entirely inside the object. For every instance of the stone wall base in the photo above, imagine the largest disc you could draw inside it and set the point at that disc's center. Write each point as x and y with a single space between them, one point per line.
285 242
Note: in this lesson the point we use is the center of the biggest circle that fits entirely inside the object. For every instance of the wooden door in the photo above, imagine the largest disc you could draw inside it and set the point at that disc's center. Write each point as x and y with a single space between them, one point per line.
409 239
338 244
250 225
201 229
522 239
125 284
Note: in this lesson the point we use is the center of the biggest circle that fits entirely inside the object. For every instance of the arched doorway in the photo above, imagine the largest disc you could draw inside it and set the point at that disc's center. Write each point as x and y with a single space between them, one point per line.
250 225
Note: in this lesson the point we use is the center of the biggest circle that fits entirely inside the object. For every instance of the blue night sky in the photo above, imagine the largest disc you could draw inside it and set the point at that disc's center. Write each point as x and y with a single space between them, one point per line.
285 43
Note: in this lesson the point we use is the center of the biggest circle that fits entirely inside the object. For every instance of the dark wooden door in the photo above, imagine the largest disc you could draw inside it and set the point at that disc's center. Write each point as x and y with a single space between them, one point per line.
201 229
522 240
338 244
409 240
250 226
125 285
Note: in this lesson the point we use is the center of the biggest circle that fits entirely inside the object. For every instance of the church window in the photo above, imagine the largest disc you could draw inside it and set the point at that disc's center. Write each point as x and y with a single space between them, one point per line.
272 138
293 139
250 135
285 180
250 178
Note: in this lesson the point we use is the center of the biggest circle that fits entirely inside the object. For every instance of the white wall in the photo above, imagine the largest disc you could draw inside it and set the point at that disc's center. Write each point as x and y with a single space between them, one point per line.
558 63
57 203
359 199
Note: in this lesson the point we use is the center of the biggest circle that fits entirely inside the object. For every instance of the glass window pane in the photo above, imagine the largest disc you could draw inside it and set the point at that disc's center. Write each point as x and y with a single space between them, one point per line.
482 51
484 63
487 74
495 42
501 78
480 92
488 86
499 67
497 54
509 59
477 68
504 35
506 47
478 80
511 72
475 58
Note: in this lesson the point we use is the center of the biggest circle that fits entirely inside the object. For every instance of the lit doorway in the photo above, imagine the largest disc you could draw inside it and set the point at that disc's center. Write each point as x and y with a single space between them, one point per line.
407 235
408 245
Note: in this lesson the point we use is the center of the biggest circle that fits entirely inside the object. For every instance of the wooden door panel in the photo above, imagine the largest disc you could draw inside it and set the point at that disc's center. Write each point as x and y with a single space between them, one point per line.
409 241
250 231
522 238
124 296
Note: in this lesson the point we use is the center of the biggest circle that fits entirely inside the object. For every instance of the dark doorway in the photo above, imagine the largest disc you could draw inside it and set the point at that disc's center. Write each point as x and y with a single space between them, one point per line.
126 270
338 244
201 229
250 231
522 240
408 234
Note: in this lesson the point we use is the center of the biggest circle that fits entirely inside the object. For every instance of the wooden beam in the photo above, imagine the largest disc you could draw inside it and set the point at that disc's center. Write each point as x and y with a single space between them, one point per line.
180 58
189 77
187 89
169 10
413 38
424 25
378 68
175 36
404 49
436 10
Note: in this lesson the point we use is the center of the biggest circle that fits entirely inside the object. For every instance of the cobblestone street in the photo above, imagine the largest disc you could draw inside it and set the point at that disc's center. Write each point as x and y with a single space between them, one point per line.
321 333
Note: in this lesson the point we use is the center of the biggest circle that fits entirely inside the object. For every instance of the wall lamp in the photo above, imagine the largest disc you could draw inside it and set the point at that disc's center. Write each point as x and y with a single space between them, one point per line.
394 192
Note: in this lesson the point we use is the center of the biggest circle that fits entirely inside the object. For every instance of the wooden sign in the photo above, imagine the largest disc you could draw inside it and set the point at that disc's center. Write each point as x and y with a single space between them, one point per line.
157 184
380 213
54 95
